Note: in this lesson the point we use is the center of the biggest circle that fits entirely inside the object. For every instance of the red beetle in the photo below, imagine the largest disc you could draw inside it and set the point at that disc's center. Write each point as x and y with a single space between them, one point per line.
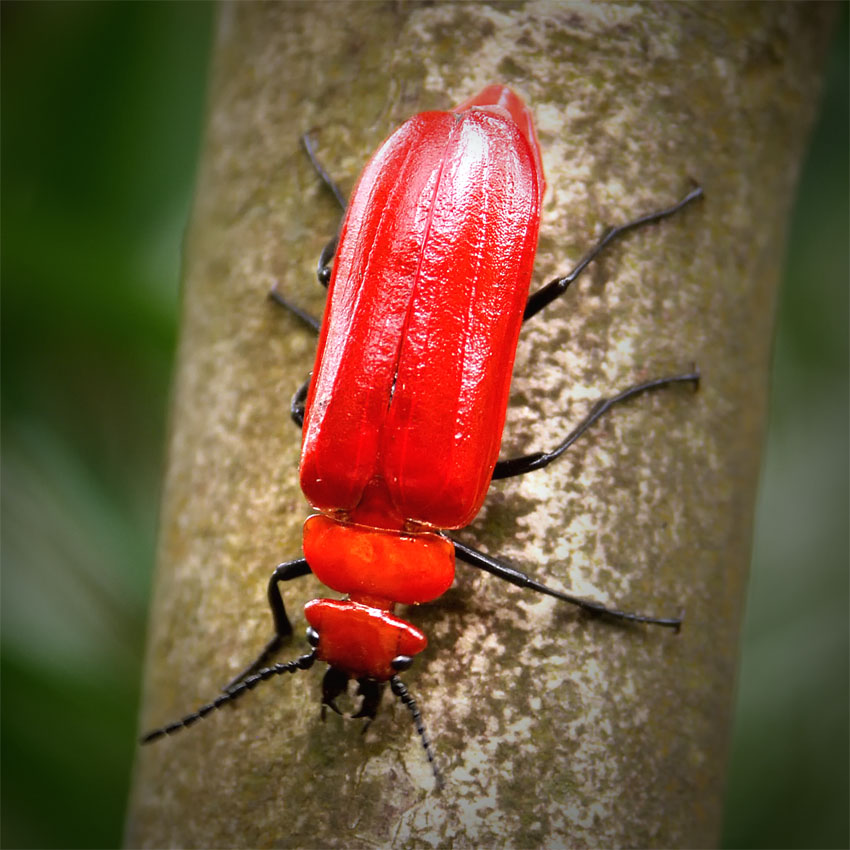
406 404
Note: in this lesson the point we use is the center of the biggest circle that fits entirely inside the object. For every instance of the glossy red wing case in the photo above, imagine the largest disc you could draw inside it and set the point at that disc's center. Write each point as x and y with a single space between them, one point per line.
410 387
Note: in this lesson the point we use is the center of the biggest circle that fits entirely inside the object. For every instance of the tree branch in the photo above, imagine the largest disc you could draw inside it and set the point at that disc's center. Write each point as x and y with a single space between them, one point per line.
552 728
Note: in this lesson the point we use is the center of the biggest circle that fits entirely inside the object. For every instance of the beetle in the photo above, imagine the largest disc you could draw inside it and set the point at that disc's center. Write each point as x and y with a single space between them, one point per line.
402 417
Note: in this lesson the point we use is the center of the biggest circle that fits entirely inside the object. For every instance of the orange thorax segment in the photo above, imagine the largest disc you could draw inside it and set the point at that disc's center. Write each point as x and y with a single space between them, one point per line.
372 564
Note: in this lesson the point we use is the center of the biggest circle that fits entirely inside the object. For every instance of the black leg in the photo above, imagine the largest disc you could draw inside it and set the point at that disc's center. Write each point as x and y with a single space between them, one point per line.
520 579
552 290
537 460
329 182
298 404
308 319
282 626
323 269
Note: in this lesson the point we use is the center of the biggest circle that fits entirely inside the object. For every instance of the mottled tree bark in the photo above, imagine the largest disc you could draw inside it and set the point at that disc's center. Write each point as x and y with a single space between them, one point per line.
552 729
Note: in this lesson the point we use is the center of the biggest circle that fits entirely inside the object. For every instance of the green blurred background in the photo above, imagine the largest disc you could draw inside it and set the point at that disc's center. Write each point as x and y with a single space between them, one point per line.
102 108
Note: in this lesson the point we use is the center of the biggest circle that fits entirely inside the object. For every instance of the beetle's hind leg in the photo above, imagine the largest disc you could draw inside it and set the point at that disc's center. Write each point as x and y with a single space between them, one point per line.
557 287
323 268
282 626
328 181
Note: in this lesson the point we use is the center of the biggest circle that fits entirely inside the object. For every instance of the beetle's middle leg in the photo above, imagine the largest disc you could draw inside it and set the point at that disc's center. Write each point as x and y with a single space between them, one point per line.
537 460
282 626
557 287
298 404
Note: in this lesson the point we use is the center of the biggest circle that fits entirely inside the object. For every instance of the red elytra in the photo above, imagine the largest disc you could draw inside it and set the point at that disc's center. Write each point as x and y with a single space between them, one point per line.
403 419
409 391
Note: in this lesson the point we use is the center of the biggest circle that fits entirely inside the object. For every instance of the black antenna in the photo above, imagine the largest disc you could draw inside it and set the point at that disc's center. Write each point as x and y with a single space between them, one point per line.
400 690
305 662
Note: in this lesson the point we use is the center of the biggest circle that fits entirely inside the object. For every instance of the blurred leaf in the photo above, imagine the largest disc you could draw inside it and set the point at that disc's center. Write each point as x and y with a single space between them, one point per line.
102 108
788 780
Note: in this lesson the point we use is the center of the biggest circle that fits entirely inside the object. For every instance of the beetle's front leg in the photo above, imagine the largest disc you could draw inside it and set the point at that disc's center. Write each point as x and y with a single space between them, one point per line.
282 626
511 574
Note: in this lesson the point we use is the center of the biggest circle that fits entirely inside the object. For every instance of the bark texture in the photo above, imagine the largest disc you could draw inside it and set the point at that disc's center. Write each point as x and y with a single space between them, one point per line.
552 729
